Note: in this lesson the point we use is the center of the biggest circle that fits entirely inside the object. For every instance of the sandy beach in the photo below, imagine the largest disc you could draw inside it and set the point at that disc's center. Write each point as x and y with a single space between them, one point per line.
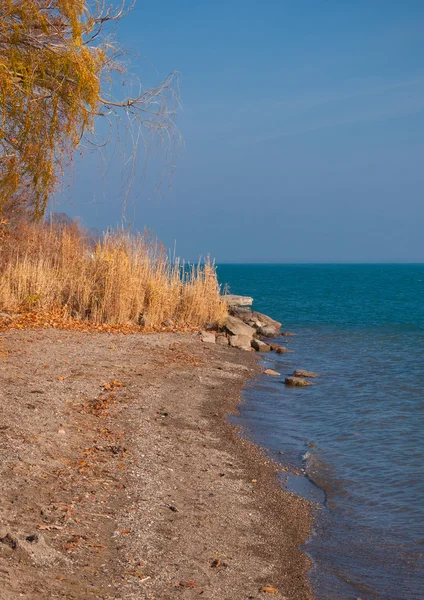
122 479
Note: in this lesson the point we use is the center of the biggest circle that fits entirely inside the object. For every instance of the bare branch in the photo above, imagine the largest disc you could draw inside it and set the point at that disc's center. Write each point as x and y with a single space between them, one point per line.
56 63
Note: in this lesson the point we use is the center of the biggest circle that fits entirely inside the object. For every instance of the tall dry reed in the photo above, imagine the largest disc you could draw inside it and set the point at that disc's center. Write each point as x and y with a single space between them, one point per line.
122 278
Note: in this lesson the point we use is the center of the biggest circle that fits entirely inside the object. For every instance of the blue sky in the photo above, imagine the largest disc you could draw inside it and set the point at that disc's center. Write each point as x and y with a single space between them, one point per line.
303 127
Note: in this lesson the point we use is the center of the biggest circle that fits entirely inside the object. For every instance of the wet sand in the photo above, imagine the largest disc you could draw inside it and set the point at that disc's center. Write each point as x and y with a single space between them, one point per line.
122 479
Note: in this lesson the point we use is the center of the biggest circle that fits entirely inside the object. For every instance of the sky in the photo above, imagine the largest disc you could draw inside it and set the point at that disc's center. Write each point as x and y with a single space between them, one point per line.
303 128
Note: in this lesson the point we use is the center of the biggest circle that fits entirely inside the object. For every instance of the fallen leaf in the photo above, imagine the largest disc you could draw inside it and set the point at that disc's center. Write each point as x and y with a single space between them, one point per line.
49 527
187 584
267 589
110 385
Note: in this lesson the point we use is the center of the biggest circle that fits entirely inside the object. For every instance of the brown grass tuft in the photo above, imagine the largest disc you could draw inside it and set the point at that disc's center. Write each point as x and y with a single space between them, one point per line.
122 279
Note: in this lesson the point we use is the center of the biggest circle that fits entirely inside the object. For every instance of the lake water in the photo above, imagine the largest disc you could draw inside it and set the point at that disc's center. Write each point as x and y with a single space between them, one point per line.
354 441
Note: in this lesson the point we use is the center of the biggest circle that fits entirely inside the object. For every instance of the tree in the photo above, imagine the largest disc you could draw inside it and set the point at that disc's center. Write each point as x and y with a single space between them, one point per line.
56 66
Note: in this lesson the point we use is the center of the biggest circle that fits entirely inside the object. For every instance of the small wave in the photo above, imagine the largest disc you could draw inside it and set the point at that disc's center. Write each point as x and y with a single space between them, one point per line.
322 475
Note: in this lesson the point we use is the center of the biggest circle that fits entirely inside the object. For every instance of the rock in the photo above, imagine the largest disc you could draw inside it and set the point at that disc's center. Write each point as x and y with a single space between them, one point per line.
272 372
297 382
301 373
233 300
32 538
242 312
257 316
235 326
274 347
241 341
252 323
9 541
257 320
222 340
208 337
282 350
260 346
288 334
269 331
255 324
39 553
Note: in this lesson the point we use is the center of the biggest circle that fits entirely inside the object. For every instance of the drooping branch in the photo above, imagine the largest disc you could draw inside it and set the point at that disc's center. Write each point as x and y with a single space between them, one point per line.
56 64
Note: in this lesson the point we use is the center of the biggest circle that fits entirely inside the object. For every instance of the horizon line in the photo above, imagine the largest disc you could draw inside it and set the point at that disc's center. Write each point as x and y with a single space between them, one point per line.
306 262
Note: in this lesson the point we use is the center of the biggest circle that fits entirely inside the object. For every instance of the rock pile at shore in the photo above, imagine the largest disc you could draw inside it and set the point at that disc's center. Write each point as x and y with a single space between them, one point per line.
244 327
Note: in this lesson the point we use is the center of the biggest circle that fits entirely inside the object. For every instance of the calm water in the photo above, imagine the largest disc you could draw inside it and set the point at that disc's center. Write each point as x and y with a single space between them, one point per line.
357 436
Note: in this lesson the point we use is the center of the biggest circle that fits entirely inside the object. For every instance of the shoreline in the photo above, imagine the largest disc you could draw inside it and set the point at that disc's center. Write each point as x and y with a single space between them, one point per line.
163 497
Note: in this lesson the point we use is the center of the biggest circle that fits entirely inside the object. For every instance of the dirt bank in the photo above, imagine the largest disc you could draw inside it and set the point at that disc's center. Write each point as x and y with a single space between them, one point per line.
121 478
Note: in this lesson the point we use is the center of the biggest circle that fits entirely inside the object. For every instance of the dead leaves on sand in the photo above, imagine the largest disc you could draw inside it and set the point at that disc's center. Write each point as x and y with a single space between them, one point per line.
60 319
268 589
111 385
187 584
50 527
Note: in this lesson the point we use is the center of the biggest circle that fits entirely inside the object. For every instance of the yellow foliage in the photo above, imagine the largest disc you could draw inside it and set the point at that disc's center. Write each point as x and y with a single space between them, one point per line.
49 91
54 57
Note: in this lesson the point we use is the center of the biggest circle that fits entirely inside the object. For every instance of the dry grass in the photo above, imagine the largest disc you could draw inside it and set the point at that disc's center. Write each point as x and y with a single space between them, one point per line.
122 279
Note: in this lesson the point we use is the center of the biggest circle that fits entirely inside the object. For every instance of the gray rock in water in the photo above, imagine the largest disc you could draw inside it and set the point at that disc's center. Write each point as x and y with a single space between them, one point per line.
235 326
269 331
302 373
234 300
255 319
297 382
282 350
241 341
272 372
260 346
265 320
208 337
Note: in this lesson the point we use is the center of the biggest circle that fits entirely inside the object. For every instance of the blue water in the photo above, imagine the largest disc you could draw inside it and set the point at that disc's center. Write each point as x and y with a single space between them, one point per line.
354 441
